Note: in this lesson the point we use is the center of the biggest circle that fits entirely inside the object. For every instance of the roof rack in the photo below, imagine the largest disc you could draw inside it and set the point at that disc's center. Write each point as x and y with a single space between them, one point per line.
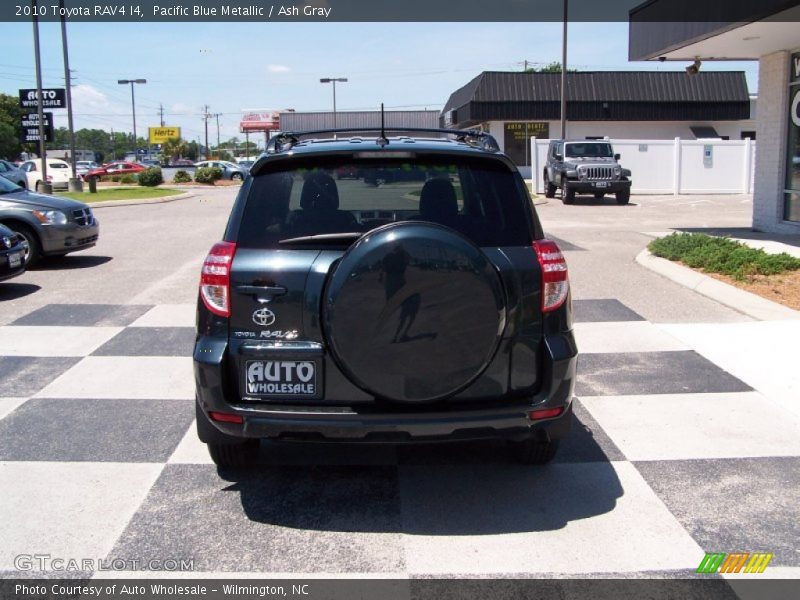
480 139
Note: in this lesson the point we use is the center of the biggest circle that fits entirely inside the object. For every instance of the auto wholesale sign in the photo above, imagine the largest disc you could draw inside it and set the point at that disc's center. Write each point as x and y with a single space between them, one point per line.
159 135
29 128
259 120
51 98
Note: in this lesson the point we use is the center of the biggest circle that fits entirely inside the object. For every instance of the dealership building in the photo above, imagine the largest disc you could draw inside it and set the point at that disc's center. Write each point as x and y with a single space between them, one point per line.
767 31
655 105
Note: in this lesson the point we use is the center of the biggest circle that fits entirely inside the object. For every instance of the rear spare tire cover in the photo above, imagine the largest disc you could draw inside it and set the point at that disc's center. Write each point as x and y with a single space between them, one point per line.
413 312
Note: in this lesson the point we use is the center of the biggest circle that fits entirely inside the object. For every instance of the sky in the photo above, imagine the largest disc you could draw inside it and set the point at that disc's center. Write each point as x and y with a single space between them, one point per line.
235 66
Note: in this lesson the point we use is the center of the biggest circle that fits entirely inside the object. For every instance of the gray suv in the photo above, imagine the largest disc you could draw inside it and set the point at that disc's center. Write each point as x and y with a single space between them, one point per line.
585 167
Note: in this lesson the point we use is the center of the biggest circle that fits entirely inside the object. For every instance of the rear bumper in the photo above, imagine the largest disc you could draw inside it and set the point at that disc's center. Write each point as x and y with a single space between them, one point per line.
591 187
508 419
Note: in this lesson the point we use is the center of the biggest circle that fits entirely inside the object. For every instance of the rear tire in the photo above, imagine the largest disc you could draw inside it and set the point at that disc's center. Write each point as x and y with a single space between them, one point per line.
234 456
549 188
623 196
568 195
534 451
236 177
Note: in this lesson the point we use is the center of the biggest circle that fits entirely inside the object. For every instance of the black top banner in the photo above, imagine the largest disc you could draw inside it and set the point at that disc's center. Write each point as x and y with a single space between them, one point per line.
231 11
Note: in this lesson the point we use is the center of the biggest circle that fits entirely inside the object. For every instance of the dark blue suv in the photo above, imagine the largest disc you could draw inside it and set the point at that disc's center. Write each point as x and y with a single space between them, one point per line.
416 300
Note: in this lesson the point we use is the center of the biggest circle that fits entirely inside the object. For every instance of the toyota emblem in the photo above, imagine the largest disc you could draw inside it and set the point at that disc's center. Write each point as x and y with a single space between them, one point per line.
264 317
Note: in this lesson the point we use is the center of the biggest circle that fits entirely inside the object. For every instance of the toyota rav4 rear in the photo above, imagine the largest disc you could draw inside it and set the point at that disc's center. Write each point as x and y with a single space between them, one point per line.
416 301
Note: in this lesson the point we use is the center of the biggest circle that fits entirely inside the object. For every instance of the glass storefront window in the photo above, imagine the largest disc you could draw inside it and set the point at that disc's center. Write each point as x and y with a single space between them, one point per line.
792 198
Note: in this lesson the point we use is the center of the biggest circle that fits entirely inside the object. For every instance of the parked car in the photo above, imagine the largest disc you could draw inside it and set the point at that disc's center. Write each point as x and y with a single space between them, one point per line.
58 173
82 167
13 173
433 311
12 254
229 169
115 168
245 163
150 162
585 167
48 225
181 162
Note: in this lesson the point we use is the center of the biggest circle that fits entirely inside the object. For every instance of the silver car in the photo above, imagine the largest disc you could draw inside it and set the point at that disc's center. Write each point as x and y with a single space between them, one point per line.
82 167
13 173
229 169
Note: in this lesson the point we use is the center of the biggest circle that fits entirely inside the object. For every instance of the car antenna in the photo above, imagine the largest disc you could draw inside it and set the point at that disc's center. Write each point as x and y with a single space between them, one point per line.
382 141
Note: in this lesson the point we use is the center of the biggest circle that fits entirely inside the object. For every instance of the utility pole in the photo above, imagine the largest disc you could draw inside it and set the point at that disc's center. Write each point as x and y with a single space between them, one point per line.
216 115
564 76
75 184
46 187
161 112
113 145
205 118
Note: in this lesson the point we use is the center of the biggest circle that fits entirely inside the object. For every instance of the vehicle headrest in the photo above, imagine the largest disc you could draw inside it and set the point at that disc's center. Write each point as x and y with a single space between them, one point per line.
319 193
437 201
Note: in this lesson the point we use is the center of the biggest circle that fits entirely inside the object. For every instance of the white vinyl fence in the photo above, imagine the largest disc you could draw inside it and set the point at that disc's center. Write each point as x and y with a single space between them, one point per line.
673 166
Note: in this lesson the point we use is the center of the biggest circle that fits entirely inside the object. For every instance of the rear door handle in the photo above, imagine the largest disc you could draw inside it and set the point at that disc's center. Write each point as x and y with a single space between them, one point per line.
263 293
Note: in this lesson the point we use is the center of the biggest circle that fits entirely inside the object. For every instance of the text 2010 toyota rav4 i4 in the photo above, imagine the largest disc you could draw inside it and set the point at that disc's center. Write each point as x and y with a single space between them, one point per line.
419 301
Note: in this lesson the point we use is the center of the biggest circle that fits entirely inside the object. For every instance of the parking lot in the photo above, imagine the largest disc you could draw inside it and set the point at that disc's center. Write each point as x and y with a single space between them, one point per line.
686 437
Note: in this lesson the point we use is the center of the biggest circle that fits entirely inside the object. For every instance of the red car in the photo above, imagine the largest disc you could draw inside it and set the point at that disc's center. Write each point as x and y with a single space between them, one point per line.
114 168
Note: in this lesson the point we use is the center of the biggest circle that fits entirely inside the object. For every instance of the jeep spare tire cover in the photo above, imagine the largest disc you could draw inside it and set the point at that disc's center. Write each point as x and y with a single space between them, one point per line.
413 312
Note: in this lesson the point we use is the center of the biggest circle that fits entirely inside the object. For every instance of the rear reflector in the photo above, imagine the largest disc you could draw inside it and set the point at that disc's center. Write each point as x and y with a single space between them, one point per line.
545 413
555 281
215 279
225 417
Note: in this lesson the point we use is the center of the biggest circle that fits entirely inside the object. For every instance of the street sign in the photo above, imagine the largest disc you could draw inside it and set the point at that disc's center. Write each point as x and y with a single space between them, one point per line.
159 135
52 98
29 125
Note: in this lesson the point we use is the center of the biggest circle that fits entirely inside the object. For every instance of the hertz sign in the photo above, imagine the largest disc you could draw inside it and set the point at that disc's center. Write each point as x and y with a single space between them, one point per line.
159 135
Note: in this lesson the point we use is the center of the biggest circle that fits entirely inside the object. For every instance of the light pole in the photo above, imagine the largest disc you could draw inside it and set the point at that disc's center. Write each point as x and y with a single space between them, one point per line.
133 107
333 80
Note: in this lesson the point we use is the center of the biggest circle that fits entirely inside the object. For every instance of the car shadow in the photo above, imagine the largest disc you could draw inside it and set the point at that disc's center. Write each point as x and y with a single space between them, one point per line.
11 291
604 201
431 489
71 262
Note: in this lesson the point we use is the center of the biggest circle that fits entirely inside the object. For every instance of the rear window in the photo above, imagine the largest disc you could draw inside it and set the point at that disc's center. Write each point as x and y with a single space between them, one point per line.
57 166
480 198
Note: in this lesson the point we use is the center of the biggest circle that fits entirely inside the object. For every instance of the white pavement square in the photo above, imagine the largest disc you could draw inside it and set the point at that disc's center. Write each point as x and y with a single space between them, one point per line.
566 518
68 510
168 315
125 377
191 450
696 426
7 405
626 336
53 341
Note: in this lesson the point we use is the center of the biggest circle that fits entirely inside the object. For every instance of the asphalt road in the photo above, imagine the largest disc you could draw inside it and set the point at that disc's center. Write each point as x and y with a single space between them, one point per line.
686 437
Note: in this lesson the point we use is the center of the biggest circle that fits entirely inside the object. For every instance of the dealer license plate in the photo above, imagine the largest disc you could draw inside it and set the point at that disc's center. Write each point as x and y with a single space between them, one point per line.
295 378
14 260
601 184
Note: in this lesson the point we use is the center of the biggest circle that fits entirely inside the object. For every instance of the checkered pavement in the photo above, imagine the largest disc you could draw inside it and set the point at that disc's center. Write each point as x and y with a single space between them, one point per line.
670 456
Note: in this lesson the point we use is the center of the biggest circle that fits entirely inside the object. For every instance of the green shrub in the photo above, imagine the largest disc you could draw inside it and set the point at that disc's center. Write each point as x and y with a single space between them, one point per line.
721 255
128 178
151 177
182 177
208 175
116 178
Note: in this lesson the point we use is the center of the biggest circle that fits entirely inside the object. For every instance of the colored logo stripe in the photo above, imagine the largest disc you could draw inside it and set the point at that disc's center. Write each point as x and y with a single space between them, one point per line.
714 562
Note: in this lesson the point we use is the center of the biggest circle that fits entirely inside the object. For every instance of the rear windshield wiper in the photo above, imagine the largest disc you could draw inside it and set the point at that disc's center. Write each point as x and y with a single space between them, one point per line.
324 238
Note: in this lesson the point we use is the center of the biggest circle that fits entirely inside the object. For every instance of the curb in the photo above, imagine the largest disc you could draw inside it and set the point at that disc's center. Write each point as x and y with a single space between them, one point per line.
108 203
741 300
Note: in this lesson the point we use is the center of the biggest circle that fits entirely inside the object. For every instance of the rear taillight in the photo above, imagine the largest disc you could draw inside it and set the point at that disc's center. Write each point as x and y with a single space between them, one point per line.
555 282
215 279
225 417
